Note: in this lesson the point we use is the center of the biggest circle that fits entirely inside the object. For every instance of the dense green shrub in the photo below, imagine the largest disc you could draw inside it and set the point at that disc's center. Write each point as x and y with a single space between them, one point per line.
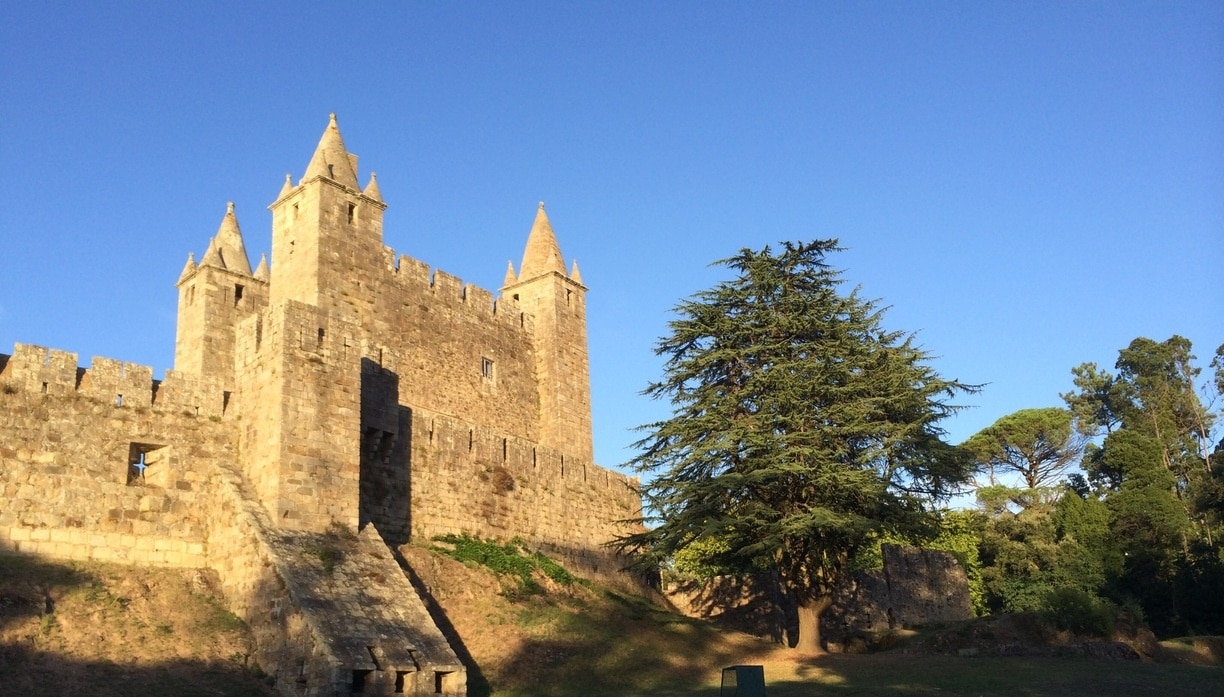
1080 612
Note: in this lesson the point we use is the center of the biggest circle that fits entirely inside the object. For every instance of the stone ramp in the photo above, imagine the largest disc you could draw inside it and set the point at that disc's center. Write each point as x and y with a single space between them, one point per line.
354 593
333 613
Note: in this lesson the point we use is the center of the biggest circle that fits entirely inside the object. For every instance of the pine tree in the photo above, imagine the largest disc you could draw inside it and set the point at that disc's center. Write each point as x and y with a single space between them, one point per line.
800 427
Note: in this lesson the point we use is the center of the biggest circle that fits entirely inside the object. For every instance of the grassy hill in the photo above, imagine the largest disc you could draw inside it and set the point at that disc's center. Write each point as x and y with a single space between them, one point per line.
95 629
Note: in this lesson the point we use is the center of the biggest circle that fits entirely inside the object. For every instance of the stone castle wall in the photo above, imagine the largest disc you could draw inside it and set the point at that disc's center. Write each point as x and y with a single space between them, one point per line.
473 480
68 438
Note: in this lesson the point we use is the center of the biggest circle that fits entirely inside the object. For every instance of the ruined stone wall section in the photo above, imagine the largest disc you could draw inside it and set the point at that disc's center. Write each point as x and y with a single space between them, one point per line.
66 478
467 479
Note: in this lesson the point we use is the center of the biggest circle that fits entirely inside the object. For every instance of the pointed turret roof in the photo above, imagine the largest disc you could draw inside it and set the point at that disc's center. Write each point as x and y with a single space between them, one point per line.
543 254
574 275
261 271
188 269
288 187
212 257
510 279
331 160
371 189
229 243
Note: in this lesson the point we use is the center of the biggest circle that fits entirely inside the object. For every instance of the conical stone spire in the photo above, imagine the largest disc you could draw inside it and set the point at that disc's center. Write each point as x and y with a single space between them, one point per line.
212 257
510 278
229 243
574 275
287 188
188 269
371 189
261 271
331 160
543 254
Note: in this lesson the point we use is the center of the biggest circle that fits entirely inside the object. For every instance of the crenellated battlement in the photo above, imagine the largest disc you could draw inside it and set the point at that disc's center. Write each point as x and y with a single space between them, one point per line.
41 370
417 277
525 459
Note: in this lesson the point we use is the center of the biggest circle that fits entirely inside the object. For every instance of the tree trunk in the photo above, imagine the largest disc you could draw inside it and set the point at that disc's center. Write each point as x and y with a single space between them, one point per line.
809 610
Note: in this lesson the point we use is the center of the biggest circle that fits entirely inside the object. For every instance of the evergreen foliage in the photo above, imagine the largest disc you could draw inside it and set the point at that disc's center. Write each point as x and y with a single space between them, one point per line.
1040 445
801 427
1157 473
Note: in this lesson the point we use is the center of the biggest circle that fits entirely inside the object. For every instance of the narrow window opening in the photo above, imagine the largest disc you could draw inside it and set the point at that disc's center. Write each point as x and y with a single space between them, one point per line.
471 440
146 464
568 295
331 171
321 334
44 388
295 213
516 296
505 450
237 293
400 676
352 211
486 368
118 400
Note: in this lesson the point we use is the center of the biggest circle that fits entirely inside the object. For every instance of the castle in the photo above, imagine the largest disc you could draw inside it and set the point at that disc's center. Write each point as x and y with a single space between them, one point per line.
323 409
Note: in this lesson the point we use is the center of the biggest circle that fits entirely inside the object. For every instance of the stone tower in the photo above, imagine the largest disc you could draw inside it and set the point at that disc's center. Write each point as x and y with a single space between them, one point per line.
326 228
213 297
557 301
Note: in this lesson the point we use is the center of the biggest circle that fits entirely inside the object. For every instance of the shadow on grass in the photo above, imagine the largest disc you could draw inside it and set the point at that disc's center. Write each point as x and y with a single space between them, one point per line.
31 593
30 587
477 684
899 675
27 671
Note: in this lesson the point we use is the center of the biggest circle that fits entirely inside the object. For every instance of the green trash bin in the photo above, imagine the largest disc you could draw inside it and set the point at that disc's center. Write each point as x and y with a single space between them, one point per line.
743 681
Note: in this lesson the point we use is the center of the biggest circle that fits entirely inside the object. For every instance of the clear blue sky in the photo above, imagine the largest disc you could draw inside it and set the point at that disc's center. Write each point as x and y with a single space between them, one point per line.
1029 185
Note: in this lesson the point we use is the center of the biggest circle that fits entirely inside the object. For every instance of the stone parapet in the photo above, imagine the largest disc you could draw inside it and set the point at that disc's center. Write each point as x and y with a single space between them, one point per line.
43 371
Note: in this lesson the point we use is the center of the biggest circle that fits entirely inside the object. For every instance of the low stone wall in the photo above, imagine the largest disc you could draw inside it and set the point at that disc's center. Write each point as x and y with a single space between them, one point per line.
915 587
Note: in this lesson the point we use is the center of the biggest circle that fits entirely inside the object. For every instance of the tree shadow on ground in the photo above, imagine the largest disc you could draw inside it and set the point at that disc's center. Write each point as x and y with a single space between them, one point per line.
28 671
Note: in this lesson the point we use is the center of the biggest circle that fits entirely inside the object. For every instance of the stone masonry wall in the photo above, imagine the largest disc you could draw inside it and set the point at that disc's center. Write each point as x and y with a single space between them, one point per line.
301 416
67 441
473 480
434 332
